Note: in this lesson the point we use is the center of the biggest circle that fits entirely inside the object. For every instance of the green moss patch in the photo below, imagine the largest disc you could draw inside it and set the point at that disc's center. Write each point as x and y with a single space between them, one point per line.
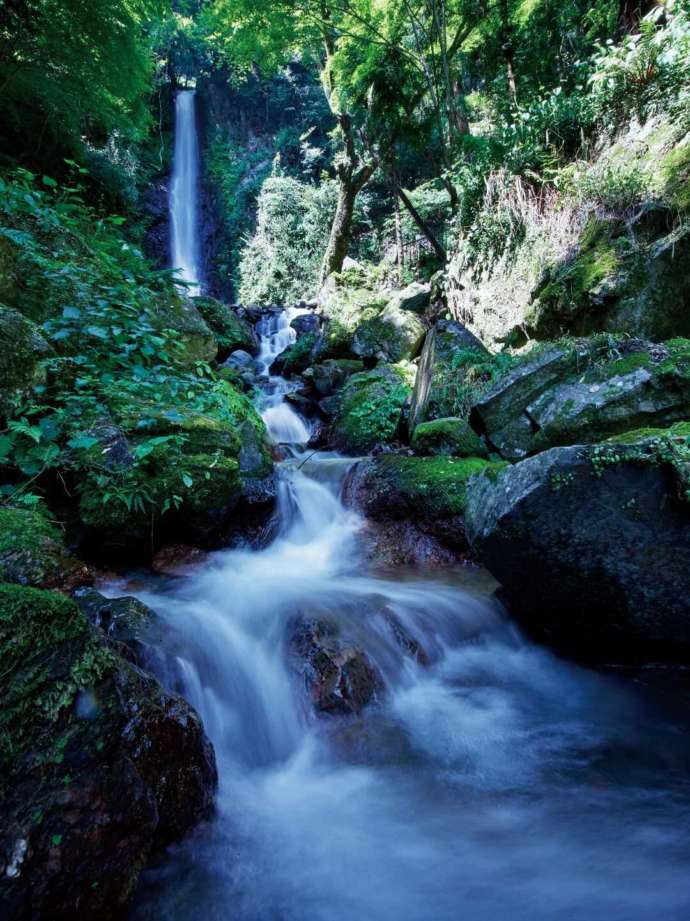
370 408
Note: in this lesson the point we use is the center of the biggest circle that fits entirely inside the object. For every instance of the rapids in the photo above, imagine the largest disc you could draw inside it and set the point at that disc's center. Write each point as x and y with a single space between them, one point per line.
497 782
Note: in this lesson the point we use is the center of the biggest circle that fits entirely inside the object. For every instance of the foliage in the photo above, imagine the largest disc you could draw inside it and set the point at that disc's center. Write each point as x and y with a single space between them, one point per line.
282 261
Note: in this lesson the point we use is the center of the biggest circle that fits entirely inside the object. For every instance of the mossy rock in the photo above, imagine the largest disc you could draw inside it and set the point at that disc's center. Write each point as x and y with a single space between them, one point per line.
33 552
231 331
391 336
178 314
369 408
100 766
585 391
22 360
450 436
297 357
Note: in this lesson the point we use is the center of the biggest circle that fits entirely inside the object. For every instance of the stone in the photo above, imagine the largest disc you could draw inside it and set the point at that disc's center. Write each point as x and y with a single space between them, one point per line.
338 678
450 352
592 546
450 436
368 409
195 340
329 376
33 552
391 336
231 331
416 297
101 767
306 323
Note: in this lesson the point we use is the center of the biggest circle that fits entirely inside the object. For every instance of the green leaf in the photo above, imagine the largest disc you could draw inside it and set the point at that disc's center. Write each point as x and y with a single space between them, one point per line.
187 480
51 183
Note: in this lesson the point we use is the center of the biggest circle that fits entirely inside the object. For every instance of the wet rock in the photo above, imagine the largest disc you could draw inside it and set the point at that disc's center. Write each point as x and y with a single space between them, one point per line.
100 766
232 332
155 204
22 353
592 545
390 545
329 376
33 552
426 494
177 558
296 358
196 341
338 678
239 359
449 356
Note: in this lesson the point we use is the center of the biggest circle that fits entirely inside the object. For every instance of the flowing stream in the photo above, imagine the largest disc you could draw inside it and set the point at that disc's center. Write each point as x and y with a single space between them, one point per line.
495 782
488 781
184 194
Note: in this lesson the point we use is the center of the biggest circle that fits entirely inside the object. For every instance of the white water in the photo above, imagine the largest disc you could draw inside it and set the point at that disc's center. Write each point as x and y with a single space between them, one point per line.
497 783
184 194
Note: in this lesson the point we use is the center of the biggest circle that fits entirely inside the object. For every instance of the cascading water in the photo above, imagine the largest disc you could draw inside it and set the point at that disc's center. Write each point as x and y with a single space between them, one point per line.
184 194
494 782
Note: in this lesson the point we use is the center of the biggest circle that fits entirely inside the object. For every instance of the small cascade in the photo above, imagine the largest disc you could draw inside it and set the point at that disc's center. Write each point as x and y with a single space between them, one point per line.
488 780
285 426
184 194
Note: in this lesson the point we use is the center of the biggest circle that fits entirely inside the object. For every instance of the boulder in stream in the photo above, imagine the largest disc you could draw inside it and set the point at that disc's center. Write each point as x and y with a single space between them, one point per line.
592 545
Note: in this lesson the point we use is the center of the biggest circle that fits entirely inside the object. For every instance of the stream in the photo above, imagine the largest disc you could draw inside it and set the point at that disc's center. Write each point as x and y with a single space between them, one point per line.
491 781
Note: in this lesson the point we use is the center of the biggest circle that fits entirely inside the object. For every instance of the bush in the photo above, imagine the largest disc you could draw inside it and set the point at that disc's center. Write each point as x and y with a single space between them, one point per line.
282 262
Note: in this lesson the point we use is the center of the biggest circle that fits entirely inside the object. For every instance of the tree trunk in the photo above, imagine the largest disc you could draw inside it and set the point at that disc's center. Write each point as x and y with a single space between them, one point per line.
423 226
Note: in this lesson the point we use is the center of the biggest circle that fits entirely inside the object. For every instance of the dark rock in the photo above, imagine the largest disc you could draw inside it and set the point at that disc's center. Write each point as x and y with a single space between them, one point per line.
330 376
306 323
415 297
100 766
582 393
177 558
592 546
33 552
451 436
156 207
338 678
232 332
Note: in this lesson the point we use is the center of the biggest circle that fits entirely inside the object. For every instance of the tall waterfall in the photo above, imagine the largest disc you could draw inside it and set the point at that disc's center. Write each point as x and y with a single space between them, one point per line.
184 193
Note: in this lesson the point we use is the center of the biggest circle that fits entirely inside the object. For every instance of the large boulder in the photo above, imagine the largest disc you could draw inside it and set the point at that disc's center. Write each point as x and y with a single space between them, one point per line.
592 544
100 766
194 339
451 361
583 392
452 436
393 335
330 375
22 360
369 408
416 297
33 552
231 331
428 494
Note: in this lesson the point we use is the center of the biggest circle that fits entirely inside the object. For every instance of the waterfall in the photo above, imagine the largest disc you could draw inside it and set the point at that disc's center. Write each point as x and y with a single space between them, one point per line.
184 193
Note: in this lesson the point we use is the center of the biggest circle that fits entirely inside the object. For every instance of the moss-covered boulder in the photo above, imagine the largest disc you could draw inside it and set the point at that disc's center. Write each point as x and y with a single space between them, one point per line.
297 357
231 331
392 335
427 494
345 301
33 552
592 545
179 473
100 767
370 407
329 376
450 436
416 297
23 351
194 339
453 362
584 391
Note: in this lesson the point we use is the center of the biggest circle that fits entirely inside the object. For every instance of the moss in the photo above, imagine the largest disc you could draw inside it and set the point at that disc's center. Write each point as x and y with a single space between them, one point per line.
48 653
230 330
22 353
32 552
370 408
298 356
675 171
680 430
451 436
433 487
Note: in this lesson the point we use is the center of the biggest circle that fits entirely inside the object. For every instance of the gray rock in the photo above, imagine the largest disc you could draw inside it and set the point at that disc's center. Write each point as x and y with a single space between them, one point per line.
415 298
592 546
392 336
